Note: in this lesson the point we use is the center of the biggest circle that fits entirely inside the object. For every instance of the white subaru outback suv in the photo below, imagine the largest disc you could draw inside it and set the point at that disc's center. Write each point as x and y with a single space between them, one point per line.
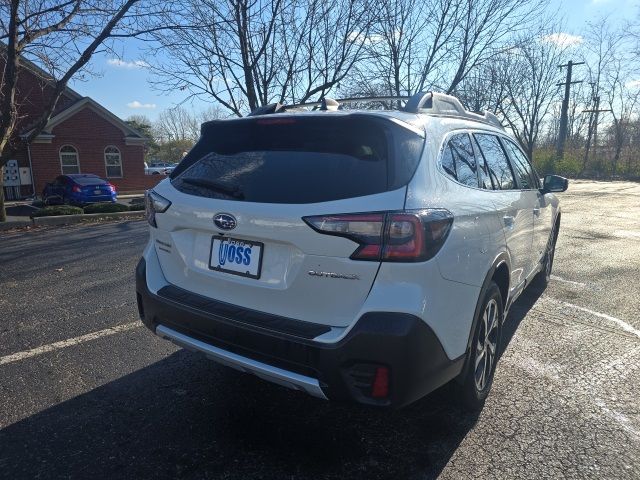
367 255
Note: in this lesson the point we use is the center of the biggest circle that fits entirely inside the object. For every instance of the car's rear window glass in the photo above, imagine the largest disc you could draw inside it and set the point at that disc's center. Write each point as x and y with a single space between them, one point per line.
299 159
89 180
497 161
458 160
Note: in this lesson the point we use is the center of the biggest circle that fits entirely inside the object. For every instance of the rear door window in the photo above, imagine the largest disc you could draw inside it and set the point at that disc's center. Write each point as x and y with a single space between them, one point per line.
497 161
521 165
458 160
299 159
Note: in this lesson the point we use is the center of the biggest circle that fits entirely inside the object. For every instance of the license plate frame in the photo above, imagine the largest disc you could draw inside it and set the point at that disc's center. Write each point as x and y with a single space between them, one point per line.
244 243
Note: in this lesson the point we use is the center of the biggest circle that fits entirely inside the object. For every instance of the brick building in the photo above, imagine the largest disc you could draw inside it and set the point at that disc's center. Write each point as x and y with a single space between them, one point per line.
81 137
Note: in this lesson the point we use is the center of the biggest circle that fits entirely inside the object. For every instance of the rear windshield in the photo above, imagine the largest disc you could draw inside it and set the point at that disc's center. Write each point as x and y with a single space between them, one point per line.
89 180
299 160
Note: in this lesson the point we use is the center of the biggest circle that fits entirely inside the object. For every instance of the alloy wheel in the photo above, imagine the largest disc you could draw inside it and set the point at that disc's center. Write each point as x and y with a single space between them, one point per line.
487 344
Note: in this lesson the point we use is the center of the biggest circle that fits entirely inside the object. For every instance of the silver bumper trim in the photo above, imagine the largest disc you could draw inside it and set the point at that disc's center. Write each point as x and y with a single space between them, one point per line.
267 372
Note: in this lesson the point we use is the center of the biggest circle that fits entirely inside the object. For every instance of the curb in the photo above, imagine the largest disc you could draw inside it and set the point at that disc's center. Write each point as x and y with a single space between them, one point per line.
85 217
71 219
15 224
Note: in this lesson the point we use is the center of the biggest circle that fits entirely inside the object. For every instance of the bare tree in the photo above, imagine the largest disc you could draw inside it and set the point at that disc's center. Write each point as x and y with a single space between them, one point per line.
601 49
530 73
436 44
247 53
59 35
176 123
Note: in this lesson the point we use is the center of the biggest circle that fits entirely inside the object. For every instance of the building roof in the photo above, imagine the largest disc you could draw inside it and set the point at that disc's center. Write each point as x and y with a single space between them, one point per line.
79 102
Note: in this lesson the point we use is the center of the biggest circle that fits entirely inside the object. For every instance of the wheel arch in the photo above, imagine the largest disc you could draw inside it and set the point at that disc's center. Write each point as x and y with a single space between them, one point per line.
498 273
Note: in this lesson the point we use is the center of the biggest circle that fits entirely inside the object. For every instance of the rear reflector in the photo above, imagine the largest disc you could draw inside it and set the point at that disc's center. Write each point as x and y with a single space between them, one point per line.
380 386
389 236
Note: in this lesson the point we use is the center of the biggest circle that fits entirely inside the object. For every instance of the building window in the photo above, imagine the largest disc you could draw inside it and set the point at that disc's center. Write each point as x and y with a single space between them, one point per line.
113 162
69 160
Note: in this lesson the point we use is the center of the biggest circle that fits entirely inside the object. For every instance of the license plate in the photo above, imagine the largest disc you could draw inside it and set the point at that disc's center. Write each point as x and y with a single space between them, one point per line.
235 256
97 192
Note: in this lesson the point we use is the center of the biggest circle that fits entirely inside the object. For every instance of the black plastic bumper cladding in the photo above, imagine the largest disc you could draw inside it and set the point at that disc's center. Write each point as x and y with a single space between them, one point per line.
402 342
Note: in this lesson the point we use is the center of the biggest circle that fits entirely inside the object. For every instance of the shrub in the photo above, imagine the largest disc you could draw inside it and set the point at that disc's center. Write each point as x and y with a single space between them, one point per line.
105 208
134 207
37 203
57 210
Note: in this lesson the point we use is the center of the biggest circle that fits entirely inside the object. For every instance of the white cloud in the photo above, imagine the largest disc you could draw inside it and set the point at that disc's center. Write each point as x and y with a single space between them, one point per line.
563 39
116 62
136 104
632 84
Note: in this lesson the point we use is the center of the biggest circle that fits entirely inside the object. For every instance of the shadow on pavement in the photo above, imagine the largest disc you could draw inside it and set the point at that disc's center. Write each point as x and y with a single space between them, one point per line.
517 313
186 417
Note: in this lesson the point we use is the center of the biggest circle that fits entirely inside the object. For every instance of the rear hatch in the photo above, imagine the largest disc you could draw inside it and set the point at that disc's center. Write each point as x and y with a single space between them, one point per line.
248 201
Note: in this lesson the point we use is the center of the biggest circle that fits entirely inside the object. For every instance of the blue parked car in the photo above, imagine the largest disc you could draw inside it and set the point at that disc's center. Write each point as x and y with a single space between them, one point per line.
78 189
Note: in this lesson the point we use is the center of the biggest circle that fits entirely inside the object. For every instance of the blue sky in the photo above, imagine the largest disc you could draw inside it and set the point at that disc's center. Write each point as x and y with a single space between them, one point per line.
122 84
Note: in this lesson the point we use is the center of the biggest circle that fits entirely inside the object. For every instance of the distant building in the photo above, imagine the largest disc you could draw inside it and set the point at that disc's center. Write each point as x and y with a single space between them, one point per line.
81 137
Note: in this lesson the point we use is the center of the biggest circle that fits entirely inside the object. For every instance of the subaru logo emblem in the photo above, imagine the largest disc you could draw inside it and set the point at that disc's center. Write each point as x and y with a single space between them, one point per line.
225 221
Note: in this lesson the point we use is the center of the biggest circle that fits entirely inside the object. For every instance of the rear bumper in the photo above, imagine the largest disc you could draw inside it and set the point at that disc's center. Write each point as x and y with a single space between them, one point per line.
83 198
288 355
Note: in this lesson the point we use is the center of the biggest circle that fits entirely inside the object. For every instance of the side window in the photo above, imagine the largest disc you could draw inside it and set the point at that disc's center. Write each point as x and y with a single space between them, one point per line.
521 165
458 160
483 171
497 161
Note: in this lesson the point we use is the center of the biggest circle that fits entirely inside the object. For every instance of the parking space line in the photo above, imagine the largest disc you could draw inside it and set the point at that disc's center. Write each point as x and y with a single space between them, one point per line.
15 357
625 326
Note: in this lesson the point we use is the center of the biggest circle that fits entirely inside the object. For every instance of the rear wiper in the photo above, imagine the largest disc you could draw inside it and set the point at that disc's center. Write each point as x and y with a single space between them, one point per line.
231 190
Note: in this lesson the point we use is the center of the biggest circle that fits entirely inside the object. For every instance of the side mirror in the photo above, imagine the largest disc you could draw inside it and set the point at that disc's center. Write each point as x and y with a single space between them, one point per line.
554 183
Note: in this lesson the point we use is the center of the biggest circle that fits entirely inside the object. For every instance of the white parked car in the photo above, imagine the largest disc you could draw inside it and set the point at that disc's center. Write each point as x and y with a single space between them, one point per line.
365 255
159 168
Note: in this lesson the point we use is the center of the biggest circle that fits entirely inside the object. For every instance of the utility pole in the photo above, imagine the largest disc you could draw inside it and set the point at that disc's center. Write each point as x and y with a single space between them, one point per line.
596 111
564 116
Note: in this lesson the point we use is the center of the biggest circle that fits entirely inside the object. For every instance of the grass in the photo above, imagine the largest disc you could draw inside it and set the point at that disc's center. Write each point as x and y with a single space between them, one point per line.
105 208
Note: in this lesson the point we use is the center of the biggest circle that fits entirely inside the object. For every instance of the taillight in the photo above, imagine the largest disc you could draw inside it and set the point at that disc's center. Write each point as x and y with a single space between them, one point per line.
154 203
111 187
413 236
76 189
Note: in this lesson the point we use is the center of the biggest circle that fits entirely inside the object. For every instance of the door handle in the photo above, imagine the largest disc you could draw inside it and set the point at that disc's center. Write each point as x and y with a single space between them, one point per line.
509 221
536 212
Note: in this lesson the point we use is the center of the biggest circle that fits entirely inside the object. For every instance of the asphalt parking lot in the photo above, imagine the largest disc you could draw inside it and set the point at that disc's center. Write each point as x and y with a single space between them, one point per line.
87 392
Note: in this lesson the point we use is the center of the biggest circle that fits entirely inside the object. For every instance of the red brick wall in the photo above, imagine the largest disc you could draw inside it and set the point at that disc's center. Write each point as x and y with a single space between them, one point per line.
90 134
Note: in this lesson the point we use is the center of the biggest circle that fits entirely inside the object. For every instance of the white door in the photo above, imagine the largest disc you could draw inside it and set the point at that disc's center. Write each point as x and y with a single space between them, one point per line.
514 208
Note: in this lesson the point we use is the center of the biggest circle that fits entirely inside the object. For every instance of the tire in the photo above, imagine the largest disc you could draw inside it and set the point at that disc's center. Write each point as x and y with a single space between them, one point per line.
542 279
483 354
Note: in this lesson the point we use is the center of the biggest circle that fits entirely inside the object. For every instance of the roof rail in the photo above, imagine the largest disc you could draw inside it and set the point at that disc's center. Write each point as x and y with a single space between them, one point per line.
267 109
434 103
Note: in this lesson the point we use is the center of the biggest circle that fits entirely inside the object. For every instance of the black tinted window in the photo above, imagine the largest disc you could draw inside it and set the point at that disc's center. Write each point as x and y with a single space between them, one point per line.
299 159
521 166
497 162
459 161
